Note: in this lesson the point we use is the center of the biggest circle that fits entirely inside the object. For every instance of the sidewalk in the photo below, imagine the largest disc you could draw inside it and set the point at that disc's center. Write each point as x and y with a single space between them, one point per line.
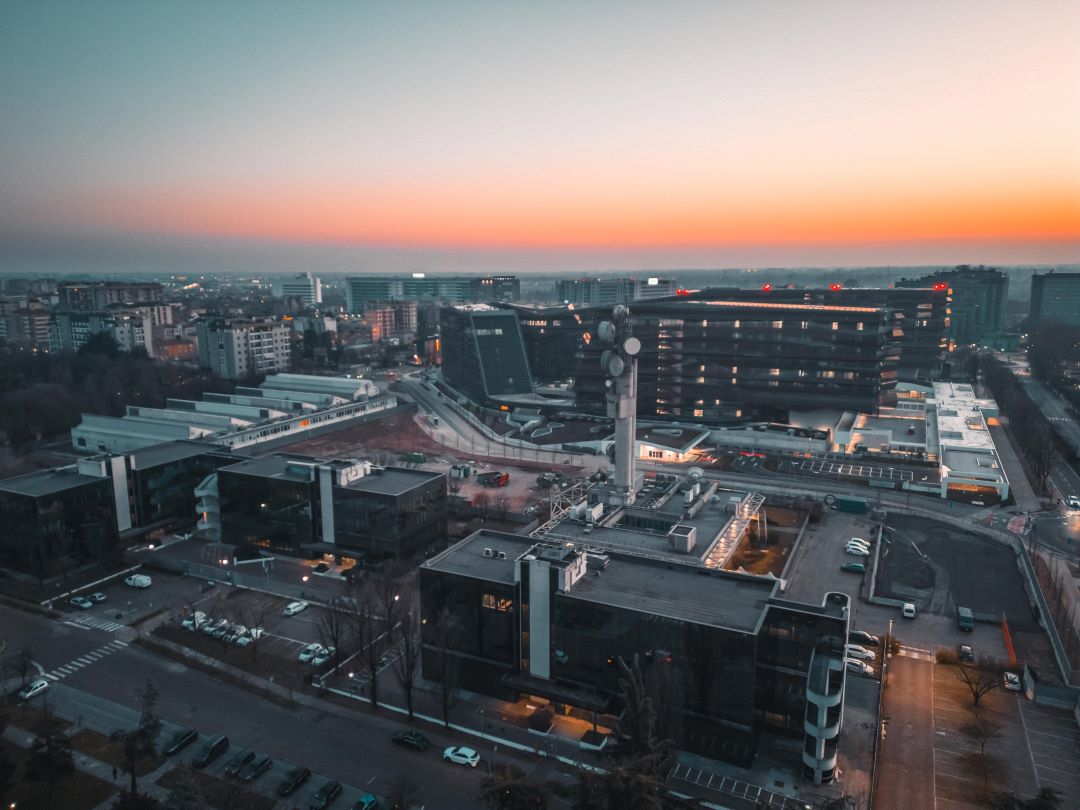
1022 492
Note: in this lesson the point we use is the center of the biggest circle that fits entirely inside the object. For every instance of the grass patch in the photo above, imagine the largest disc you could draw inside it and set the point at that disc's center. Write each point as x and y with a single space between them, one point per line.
217 793
101 747
80 791
30 717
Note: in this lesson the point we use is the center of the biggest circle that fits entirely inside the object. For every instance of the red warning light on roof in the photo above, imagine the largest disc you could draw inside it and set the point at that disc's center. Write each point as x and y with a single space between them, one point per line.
834 286
682 292
941 285
766 287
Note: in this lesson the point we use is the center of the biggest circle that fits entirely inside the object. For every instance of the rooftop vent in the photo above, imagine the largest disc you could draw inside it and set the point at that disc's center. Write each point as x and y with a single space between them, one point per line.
489 552
502 555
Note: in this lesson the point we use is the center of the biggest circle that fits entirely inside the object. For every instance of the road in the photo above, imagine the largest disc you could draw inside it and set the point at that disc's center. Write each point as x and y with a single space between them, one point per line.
356 753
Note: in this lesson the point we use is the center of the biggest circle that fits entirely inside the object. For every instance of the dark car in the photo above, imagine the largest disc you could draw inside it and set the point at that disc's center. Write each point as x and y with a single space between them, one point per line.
211 750
238 761
292 781
181 739
321 568
325 795
411 739
864 638
256 768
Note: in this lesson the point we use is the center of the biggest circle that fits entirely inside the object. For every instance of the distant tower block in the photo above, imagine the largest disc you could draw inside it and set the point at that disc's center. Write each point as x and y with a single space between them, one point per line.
620 365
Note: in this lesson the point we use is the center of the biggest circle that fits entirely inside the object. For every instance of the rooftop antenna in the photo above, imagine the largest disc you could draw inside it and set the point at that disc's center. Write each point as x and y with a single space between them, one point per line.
620 364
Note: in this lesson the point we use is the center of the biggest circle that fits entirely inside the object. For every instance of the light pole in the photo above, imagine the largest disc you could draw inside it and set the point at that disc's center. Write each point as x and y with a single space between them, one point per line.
888 655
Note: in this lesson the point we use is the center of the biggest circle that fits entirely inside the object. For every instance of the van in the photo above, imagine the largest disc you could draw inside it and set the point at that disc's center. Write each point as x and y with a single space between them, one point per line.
965 619
908 610
211 750
138 581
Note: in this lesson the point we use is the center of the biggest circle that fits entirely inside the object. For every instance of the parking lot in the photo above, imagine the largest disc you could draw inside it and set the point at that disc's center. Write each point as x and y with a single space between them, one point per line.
856 470
1054 744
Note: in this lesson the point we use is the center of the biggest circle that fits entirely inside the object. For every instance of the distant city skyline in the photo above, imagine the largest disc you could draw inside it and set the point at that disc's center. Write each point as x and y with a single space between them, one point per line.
477 137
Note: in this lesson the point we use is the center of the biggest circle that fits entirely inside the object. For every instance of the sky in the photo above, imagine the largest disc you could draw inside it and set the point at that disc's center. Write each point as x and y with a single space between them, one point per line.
557 136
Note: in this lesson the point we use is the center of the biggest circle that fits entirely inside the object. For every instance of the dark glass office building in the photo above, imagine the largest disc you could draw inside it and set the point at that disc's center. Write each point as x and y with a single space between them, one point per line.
508 616
977 298
484 354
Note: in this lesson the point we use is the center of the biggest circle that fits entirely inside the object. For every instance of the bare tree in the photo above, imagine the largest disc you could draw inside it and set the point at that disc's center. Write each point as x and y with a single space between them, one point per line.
335 631
24 663
443 634
982 730
501 505
142 740
254 615
989 770
979 677
369 632
409 658
482 503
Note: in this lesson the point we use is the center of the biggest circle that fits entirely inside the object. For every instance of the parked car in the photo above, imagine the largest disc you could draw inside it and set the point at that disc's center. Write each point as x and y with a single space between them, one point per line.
1011 681
862 637
461 755
323 655
325 795
411 739
908 610
1074 501
858 551
292 781
861 653
366 802
859 667
860 541
309 652
33 689
212 627
965 653
854 568
238 762
256 633
81 602
194 622
138 581
211 750
241 641
293 608
256 768
180 740
97 596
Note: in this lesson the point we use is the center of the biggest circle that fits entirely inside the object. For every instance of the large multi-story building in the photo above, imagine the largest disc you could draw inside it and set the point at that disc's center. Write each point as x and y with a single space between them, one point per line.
484 354
305 287
24 322
96 295
606 292
506 616
1055 297
362 291
709 358
976 301
237 348
131 327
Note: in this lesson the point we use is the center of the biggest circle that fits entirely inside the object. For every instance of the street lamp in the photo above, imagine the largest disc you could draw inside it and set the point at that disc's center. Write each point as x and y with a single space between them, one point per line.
888 655
304 578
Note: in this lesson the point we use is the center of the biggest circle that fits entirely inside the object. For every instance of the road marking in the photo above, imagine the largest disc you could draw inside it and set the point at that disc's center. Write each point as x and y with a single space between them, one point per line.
76 625
85 660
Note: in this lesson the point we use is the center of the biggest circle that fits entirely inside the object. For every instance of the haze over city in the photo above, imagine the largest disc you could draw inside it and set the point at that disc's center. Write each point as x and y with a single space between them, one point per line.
559 137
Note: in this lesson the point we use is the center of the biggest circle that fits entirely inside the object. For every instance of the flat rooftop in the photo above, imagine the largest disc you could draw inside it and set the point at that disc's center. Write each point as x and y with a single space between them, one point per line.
279 466
959 417
172 451
467 559
47 482
393 480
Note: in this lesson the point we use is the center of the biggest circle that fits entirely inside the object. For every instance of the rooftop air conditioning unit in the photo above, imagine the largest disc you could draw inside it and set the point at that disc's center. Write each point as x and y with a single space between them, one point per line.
489 552
502 555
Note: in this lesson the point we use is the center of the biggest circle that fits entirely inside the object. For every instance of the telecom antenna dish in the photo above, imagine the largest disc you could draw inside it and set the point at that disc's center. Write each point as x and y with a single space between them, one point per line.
631 346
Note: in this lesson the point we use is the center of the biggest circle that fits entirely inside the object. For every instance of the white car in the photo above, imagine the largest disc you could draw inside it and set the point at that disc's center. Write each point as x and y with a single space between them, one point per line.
1073 501
859 667
310 651
33 689
241 641
859 540
858 551
138 581
194 622
256 633
861 653
215 628
1011 681
81 602
293 608
323 655
461 755
908 610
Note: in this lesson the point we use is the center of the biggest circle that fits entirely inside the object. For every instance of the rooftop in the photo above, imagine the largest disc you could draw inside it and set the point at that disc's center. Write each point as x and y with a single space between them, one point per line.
47 482
681 440
393 480
172 451
775 306
281 466
467 558
959 417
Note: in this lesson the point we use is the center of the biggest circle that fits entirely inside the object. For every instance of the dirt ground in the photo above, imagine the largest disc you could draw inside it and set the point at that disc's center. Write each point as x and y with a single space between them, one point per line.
783 525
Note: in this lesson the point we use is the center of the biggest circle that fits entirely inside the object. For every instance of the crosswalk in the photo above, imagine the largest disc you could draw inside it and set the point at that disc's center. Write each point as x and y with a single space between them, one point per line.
92 657
916 652
96 624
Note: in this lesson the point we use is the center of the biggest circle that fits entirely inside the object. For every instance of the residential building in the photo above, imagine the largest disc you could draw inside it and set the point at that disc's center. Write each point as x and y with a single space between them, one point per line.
304 287
97 295
381 320
363 291
977 298
24 322
606 292
483 355
405 317
236 348
131 327
1055 297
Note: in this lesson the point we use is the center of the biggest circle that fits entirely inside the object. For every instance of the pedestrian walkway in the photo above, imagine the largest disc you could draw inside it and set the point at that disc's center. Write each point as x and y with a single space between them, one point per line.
707 780
86 660
95 624
916 652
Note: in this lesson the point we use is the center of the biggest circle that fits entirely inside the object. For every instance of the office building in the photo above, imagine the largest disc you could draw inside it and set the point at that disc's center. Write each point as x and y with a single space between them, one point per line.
483 355
236 348
977 298
304 287
305 506
1055 297
606 292
509 616
97 295
364 291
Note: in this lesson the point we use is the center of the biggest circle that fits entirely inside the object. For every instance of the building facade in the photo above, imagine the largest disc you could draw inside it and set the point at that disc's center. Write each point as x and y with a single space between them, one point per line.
363 291
977 298
238 348
131 327
304 287
483 354
606 292
97 295
1055 297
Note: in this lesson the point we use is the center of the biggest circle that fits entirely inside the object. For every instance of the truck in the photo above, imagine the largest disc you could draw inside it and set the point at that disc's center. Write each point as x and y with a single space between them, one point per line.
965 619
414 458
844 503
493 479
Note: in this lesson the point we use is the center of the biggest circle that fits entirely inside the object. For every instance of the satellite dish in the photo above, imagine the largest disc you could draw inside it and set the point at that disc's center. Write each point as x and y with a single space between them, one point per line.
612 363
695 473
631 346
620 312
606 331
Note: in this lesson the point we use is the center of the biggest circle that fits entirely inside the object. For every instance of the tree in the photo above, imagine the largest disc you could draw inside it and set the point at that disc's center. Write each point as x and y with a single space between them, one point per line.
443 635
369 632
981 729
24 663
1045 799
409 658
986 768
140 741
254 615
334 629
185 793
508 788
980 677
101 343
50 758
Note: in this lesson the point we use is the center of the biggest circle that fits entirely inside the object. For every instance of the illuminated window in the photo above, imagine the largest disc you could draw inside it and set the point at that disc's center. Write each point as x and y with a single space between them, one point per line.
774 372
835 325
734 369
701 380
828 375
737 324
805 324
492 602
698 412
859 326
777 324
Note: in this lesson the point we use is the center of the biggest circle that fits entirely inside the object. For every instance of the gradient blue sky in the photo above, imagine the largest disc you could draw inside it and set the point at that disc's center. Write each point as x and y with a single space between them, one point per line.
556 136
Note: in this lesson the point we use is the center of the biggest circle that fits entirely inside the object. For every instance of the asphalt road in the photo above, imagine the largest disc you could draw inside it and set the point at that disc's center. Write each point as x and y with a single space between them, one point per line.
355 753
906 765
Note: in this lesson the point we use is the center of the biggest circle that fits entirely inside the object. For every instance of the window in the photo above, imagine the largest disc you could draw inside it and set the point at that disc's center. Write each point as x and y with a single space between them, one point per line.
777 324
835 325
698 412
737 324
805 325
492 602
774 372
828 375
656 454
859 326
